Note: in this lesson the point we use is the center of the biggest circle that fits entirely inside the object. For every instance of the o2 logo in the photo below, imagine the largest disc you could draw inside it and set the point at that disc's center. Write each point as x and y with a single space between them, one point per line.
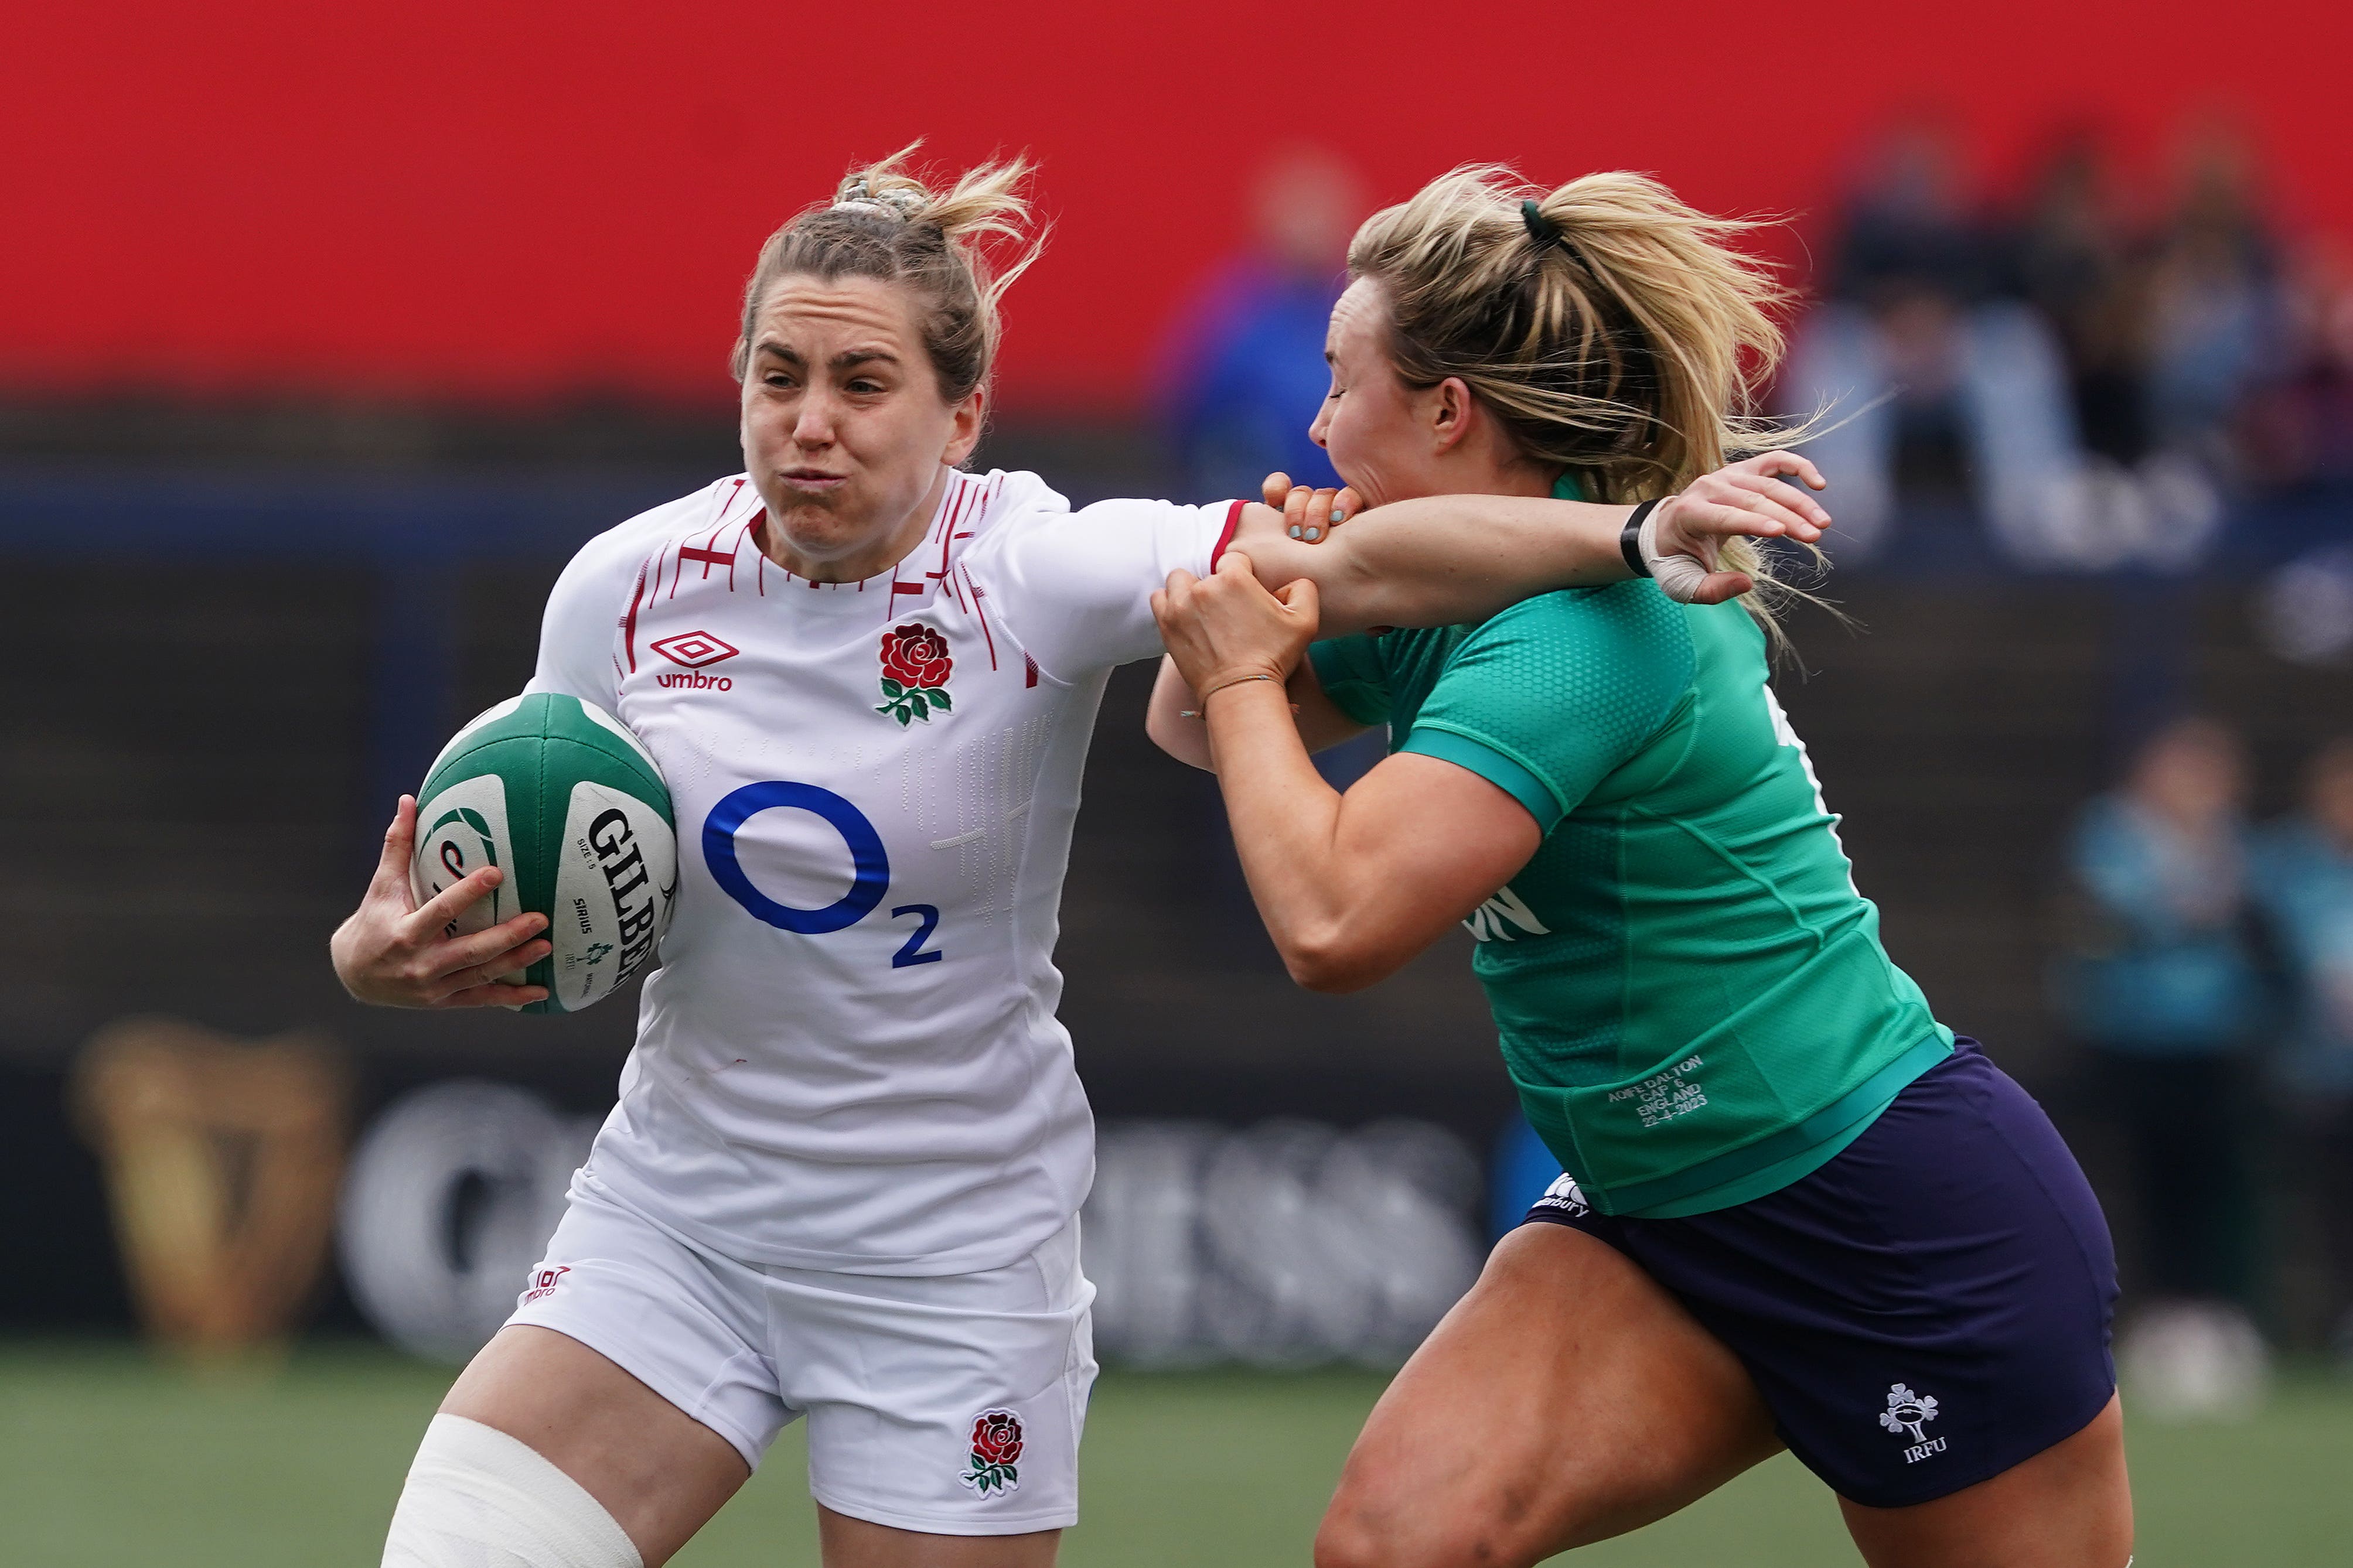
870 864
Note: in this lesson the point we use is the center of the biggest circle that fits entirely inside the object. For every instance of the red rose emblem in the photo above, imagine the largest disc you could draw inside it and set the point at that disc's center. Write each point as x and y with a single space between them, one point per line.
996 1444
916 657
997 1437
916 669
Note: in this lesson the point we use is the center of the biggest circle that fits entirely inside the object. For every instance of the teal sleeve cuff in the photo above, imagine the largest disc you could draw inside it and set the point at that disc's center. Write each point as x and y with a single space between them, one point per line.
1512 777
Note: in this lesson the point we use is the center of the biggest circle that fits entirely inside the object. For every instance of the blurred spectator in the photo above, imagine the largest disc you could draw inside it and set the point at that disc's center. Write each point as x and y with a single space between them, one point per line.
2299 432
2305 874
2296 436
1943 388
2071 259
2213 298
2165 991
1248 374
1249 350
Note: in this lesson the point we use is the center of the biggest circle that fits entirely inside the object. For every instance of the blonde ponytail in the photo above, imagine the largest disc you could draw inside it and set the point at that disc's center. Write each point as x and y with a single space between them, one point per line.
887 223
1612 329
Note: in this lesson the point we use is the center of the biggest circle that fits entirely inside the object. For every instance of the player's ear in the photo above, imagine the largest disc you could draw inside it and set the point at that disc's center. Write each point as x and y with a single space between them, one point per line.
1450 411
964 431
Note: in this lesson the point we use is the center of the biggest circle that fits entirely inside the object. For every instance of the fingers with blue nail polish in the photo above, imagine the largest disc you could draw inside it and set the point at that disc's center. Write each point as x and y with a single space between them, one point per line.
1294 531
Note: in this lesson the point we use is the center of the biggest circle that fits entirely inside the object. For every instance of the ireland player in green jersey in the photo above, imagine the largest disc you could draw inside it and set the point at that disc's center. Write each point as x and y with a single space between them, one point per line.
1799 1211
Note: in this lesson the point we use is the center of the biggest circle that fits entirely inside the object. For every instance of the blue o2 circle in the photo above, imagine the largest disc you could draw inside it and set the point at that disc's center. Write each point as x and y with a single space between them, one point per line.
867 855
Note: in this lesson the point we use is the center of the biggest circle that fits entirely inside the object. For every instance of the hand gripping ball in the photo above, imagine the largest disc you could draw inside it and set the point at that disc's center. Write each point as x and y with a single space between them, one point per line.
560 795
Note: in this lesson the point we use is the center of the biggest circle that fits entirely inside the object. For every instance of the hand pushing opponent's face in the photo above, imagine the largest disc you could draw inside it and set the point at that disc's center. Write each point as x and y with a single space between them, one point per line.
845 431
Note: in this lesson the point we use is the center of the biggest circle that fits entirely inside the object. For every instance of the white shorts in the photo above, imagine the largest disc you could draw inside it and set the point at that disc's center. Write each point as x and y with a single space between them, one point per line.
951 1405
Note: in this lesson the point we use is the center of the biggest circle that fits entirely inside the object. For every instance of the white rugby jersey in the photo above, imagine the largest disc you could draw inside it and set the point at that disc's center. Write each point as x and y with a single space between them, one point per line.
849 1058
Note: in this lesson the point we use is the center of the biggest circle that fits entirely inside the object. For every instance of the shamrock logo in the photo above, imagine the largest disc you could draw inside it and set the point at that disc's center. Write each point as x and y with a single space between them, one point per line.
1908 1411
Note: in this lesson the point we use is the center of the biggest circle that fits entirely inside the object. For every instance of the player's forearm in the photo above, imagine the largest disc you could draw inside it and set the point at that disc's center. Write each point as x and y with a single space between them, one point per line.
1286 823
1173 718
1186 739
1444 560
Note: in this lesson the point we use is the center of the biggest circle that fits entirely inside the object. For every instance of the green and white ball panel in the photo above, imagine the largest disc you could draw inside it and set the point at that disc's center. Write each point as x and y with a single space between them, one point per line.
461 830
559 794
470 732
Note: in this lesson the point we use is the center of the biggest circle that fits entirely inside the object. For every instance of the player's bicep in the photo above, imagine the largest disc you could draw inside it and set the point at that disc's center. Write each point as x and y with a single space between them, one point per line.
1438 841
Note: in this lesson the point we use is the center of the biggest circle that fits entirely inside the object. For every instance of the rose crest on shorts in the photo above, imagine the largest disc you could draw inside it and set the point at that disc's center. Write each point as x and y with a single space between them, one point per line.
995 1445
916 669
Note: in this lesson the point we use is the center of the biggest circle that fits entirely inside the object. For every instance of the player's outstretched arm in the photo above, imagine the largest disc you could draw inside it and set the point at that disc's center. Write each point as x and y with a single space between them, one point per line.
391 953
1442 560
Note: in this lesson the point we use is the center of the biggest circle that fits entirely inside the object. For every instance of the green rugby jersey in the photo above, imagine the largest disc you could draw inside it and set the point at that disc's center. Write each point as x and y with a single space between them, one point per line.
1690 993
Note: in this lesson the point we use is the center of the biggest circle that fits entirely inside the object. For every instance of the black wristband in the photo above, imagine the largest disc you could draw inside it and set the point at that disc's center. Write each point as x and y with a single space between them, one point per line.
1630 539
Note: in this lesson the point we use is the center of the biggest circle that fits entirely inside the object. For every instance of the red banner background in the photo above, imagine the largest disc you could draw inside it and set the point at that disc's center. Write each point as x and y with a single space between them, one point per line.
513 202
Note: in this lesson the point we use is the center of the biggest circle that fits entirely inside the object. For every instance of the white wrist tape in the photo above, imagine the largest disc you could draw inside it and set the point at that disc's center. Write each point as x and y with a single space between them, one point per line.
1678 576
479 1499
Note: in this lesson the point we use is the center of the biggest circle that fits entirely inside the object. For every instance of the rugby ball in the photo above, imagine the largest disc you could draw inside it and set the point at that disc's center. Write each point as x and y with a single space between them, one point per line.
558 793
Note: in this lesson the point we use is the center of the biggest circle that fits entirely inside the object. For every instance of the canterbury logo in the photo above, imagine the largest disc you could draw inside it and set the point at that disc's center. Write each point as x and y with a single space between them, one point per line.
1487 921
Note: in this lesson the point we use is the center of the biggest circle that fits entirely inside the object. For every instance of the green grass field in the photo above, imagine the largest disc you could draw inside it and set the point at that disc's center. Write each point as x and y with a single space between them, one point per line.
108 1458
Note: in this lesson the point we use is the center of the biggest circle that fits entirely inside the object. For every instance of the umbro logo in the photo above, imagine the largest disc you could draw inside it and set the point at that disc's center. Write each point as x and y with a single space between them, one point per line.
694 650
543 1282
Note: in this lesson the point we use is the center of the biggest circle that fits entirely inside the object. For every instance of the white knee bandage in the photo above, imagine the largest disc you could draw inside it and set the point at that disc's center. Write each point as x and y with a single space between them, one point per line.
479 1499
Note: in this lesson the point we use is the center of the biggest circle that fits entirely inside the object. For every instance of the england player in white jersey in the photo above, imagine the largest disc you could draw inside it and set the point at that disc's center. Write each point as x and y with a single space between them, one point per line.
843 1177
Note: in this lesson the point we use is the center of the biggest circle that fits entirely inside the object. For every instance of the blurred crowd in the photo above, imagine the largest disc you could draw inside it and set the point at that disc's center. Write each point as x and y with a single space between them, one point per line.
2092 380
2084 376
2207 977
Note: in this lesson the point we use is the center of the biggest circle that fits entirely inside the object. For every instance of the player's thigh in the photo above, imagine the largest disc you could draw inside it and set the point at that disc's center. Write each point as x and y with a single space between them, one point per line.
660 1473
846 1543
2068 1507
1566 1399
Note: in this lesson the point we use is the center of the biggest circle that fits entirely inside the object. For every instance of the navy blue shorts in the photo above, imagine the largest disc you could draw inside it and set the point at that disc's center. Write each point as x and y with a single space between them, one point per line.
1923 1311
